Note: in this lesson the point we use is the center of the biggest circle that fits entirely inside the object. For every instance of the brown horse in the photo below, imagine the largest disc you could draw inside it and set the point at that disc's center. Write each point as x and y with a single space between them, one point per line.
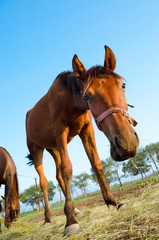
66 111
8 177
0 217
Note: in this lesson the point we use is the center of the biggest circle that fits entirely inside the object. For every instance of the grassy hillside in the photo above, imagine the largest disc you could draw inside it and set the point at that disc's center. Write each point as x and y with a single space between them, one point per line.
138 219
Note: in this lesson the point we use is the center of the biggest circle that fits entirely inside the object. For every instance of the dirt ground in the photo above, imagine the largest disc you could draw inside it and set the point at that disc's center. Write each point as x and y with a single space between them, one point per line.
127 193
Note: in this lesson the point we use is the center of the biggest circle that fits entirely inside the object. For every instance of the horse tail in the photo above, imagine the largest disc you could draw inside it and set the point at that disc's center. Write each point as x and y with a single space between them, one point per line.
29 156
30 162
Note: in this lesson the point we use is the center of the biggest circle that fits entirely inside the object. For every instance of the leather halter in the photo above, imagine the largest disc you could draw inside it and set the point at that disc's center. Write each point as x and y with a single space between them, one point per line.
108 112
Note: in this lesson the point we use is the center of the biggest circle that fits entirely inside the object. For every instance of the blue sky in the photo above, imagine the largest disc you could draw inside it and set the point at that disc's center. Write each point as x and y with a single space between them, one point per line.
38 40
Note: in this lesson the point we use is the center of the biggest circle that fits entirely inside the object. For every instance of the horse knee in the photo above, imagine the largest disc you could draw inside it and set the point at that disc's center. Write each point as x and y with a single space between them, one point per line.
67 173
98 169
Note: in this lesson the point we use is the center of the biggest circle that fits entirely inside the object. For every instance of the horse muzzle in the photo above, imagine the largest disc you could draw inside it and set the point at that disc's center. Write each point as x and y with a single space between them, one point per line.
125 144
123 148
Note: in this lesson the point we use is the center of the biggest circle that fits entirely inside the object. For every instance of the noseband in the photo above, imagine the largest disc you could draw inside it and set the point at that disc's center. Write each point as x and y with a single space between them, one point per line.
108 112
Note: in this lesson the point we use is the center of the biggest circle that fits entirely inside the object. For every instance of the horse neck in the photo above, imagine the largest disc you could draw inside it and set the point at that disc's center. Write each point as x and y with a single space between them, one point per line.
15 187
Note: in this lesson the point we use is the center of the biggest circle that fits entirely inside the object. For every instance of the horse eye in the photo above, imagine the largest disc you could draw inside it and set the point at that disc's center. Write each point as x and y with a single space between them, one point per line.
87 97
123 85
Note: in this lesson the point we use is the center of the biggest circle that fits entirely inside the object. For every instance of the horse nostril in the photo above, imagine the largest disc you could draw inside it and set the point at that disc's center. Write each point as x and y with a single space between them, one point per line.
120 143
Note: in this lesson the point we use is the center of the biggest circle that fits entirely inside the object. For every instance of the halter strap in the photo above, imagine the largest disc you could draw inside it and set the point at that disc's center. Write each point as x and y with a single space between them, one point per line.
108 112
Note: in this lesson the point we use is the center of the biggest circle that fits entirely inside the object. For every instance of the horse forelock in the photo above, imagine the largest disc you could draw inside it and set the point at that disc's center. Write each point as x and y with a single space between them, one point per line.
98 72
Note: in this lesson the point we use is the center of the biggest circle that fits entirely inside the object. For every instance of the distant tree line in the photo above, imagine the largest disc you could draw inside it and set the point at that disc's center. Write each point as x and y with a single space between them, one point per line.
146 161
30 195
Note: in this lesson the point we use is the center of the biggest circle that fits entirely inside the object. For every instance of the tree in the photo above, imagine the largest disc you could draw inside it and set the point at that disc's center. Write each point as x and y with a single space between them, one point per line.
59 189
2 205
73 187
81 181
30 197
116 174
111 171
153 153
107 168
136 165
51 192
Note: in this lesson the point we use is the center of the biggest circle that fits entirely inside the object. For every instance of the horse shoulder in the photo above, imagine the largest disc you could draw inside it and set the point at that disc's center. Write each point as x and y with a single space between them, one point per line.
38 116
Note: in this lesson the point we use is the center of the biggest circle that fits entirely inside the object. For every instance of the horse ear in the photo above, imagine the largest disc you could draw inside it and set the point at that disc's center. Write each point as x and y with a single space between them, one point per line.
110 61
78 68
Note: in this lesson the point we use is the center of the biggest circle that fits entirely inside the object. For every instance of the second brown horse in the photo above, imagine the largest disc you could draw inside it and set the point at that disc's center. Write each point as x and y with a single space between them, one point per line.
8 177
66 111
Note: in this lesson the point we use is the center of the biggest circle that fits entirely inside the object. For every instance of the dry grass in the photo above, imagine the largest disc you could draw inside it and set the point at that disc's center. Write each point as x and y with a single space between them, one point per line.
138 220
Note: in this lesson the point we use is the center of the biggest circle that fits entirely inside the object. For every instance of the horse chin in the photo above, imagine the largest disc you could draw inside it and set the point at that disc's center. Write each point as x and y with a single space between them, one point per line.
116 155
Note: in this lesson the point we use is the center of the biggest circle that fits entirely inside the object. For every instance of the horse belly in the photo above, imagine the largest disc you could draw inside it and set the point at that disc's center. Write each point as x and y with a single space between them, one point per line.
41 138
41 132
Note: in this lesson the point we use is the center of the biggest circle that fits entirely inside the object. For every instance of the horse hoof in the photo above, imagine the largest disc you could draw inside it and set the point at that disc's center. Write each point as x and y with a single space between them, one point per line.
72 229
76 211
47 223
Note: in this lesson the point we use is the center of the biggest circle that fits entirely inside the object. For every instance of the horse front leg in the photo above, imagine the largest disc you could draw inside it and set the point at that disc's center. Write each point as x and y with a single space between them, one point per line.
0 216
56 155
66 170
7 202
88 140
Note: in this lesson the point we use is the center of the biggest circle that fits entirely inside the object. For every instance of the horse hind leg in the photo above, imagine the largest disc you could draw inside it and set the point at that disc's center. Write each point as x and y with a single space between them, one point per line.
37 155
44 186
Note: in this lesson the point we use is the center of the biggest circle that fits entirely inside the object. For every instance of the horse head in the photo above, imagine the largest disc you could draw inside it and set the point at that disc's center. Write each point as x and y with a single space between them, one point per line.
104 93
14 208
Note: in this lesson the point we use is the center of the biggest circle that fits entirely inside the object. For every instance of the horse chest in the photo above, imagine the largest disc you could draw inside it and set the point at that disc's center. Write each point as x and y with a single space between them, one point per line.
74 130
76 126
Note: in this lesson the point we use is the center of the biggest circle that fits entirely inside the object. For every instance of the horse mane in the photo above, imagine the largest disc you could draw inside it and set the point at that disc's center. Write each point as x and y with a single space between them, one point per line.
70 81
76 86
17 184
